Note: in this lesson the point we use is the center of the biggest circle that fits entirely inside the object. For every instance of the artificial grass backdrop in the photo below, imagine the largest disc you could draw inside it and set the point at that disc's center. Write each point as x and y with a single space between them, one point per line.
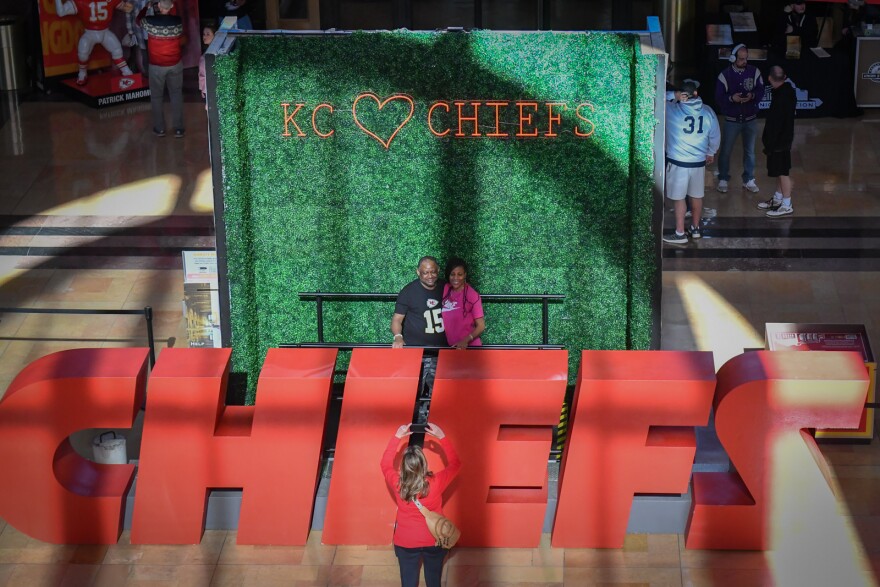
564 214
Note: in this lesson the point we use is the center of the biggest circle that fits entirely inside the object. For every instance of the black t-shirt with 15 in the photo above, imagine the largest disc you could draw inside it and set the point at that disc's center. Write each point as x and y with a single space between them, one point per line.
421 309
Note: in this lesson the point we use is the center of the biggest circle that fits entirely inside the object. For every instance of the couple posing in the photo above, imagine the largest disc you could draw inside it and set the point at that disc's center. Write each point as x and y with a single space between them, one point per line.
431 312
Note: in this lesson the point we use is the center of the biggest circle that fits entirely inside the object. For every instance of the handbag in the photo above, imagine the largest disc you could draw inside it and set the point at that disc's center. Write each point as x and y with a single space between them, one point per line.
441 528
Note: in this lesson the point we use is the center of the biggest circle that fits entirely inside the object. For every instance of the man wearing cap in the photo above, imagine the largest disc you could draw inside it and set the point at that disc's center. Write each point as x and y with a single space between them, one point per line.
777 138
796 21
737 92
692 138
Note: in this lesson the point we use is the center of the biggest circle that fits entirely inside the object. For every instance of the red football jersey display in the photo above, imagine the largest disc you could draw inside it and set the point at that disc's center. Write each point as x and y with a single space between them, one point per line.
96 15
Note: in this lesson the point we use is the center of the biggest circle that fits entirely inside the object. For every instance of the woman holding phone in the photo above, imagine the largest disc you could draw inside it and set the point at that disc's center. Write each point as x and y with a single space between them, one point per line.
412 482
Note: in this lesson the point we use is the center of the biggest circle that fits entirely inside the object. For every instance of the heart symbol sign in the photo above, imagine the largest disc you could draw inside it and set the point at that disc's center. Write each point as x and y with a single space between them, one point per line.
381 104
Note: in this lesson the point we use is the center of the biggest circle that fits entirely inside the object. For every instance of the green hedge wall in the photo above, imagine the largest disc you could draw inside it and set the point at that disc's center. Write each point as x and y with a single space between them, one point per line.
561 214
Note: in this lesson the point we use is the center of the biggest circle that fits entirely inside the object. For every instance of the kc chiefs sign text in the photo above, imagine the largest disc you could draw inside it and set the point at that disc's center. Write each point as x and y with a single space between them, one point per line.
631 432
489 119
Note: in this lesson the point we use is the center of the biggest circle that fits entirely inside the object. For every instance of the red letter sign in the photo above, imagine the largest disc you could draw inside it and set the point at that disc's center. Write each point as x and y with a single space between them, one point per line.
380 393
47 490
193 442
631 432
763 402
499 409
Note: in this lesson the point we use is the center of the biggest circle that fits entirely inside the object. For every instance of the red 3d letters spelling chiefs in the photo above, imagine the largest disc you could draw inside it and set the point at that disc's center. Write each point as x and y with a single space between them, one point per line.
631 431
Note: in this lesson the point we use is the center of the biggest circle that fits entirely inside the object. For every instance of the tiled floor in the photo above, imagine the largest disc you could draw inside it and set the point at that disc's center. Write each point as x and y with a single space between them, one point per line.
94 211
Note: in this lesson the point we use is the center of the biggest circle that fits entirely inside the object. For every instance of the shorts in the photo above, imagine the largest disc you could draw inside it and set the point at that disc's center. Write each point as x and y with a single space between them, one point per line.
778 163
685 181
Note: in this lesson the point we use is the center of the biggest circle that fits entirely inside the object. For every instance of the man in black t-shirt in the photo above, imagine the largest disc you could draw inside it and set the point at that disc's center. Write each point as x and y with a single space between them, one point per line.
418 320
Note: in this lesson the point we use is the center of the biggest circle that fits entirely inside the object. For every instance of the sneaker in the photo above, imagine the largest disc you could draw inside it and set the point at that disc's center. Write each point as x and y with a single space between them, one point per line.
694 232
82 77
158 132
179 133
675 238
707 213
782 210
722 186
751 186
771 204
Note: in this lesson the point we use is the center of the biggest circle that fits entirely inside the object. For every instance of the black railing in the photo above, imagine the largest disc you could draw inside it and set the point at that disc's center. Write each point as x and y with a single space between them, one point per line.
320 296
349 346
147 313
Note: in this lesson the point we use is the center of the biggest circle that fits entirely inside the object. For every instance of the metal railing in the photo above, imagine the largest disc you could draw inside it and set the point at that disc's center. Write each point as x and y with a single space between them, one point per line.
147 313
321 296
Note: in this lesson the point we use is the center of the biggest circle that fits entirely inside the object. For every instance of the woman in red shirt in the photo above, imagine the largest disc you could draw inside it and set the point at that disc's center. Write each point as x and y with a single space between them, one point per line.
412 539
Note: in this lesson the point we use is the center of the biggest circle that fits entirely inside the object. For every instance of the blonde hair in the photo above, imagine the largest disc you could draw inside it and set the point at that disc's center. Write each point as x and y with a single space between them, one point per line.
414 474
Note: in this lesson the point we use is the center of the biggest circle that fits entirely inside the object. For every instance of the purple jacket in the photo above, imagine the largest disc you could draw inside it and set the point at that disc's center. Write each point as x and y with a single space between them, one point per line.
733 81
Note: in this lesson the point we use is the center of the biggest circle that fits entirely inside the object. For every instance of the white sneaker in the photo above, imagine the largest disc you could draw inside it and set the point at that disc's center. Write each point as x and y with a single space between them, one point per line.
780 211
751 186
722 186
707 213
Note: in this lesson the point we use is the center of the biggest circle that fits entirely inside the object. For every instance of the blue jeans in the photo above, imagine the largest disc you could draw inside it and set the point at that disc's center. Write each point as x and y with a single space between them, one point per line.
410 560
731 130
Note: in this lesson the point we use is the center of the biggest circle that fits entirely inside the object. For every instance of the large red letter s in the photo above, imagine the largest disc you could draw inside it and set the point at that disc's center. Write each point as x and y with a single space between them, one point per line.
631 432
499 409
763 402
47 490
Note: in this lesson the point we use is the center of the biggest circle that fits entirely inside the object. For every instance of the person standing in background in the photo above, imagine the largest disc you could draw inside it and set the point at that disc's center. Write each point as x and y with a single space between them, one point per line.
164 29
797 22
692 138
737 92
777 138
207 38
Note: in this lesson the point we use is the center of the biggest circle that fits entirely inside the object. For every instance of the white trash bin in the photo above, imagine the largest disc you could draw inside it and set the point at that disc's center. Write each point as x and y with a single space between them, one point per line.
108 448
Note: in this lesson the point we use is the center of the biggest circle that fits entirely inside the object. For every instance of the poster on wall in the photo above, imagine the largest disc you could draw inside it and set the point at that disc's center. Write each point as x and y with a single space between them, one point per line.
868 71
830 337
201 302
97 28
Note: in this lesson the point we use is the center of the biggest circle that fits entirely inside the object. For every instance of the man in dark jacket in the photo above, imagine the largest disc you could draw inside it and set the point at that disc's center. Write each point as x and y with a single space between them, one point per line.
738 90
795 21
777 138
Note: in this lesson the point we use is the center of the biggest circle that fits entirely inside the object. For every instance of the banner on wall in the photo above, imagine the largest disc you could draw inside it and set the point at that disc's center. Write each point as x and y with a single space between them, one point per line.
868 71
784 336
60 37
201 301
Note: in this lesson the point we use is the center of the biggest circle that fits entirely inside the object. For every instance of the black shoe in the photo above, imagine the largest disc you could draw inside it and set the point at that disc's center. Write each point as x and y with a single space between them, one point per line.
158 132
675 238
179 133
694 232
771 204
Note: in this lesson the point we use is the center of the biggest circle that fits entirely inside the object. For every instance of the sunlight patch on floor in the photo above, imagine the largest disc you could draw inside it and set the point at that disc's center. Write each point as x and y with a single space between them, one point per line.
716 325
156 196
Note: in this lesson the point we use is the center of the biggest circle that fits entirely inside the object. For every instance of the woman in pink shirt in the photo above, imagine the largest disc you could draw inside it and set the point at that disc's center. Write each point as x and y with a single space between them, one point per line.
463 319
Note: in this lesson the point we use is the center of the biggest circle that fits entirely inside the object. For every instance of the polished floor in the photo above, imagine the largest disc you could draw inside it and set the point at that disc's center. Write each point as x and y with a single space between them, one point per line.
95 211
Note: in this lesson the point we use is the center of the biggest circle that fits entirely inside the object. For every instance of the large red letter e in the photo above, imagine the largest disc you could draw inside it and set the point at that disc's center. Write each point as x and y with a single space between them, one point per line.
631 432
499 408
